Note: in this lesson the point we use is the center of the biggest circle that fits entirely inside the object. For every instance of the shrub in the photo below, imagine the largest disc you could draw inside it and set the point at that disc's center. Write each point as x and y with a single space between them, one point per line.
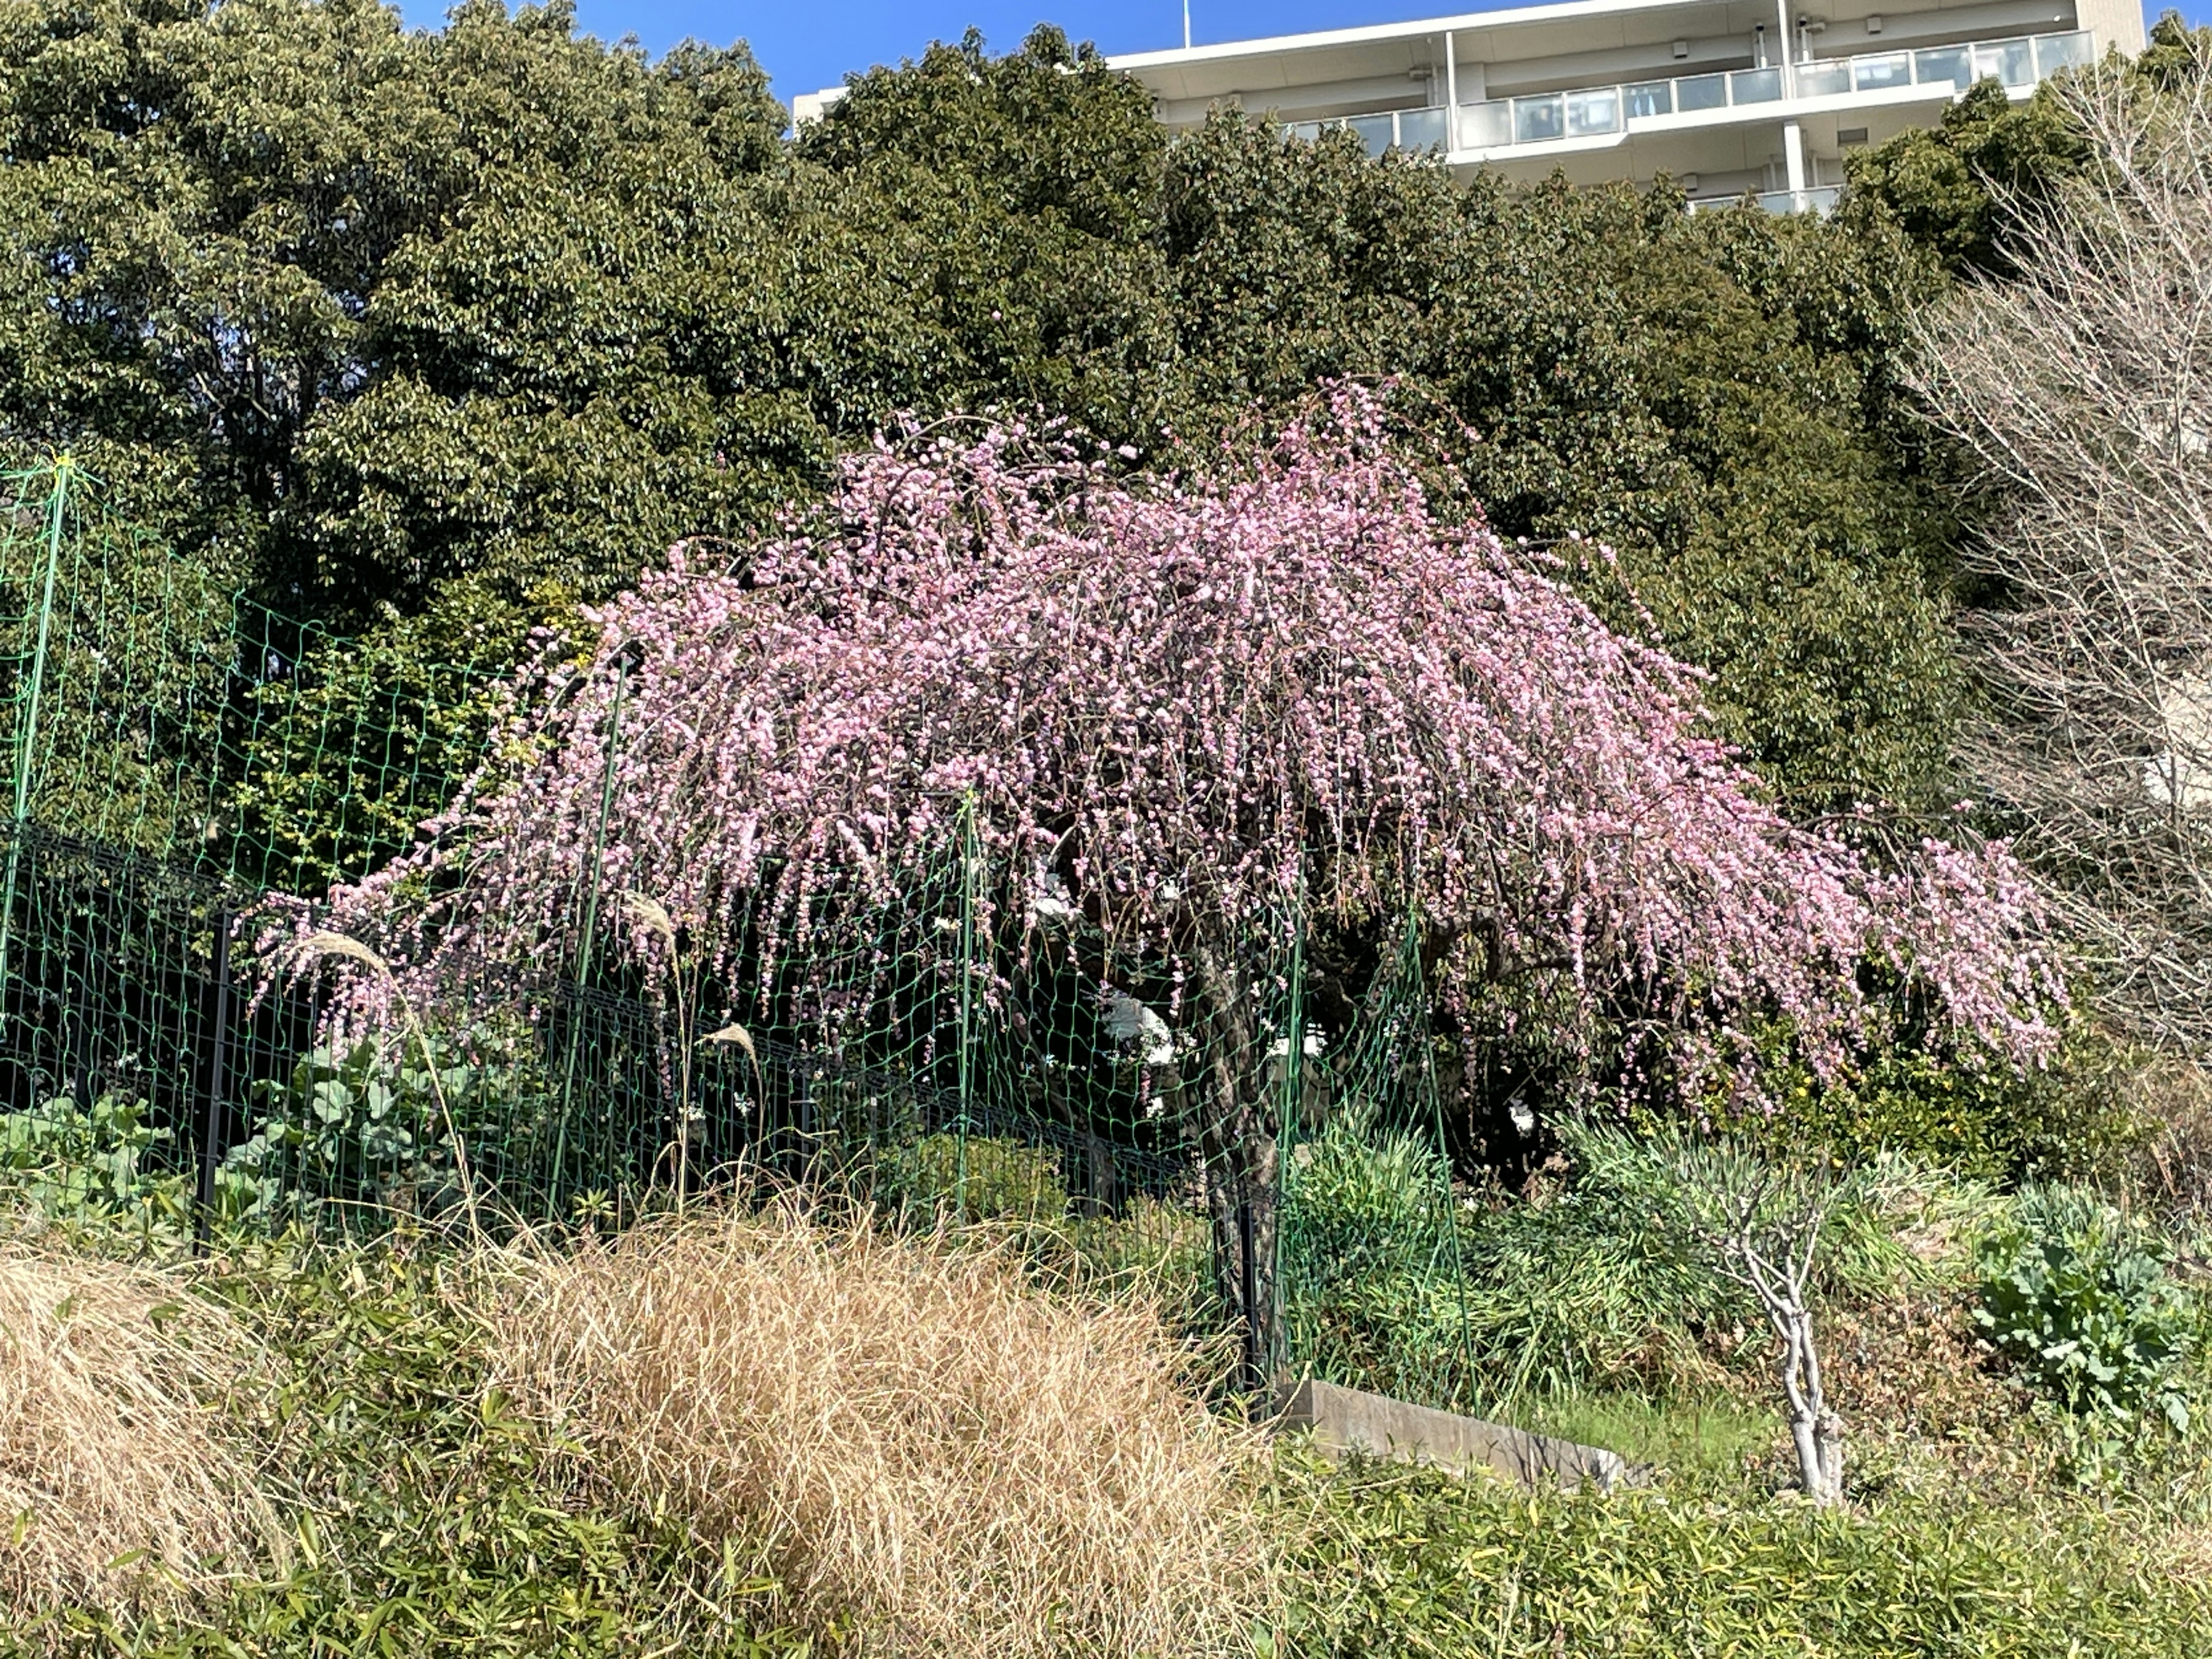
926 1454
367 1122
981 1178
1950 1107
122 1480
103 1168
2079 1296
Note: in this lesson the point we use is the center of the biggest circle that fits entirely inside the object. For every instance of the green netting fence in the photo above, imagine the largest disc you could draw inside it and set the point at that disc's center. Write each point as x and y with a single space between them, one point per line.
178 753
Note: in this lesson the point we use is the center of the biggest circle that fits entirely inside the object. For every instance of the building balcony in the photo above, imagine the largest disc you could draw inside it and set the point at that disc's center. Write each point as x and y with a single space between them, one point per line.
1593 117
1820 200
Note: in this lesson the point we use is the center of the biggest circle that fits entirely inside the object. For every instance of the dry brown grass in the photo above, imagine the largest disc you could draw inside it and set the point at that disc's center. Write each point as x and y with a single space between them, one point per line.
930 1456
122 1481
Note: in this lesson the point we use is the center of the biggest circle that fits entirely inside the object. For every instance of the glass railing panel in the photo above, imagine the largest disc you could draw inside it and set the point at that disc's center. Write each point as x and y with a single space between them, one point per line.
1701 92
1781 202
1939 63
2054 52
1823 80
1760 86
1421 129
1486 126
1495 123
1594 112
1892 69
1536 119
2010 61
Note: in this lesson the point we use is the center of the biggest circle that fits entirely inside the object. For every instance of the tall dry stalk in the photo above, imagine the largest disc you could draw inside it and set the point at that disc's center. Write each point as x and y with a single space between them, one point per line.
921 1449
122 1480
2084 391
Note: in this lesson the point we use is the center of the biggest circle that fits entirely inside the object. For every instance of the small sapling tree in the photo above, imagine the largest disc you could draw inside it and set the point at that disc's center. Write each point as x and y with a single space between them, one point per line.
1163 713
1759 1220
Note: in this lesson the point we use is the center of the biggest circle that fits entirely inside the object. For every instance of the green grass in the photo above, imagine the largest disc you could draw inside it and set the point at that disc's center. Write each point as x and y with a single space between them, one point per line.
1707 1440
1403 1564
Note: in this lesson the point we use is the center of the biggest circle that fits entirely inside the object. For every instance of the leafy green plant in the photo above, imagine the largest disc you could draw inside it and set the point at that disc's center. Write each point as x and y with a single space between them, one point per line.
980 1177
2080 1296
1394 1280
105 1166
371 1122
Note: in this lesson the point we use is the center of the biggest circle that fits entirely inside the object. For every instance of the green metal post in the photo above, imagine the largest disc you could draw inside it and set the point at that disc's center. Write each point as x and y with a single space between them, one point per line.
967 1083
1288 1117
26 741
584 941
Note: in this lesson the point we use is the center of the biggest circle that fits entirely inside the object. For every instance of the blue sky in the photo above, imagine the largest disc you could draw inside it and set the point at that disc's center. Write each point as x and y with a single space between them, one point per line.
808 44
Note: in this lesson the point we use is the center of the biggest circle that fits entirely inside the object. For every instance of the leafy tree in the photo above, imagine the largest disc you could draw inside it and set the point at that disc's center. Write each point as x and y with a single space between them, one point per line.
474 318
1943 185
1161 712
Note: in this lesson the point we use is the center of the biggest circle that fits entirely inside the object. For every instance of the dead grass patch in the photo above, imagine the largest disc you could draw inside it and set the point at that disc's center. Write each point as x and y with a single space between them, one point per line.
123 1483
929 1454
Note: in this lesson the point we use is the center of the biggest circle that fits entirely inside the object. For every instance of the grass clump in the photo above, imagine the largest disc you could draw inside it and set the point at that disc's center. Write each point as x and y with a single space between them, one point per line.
921 1450
125 1482
429 1519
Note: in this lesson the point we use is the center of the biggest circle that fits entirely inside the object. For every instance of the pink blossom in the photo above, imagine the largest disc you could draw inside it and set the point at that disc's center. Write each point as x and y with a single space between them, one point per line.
1171 704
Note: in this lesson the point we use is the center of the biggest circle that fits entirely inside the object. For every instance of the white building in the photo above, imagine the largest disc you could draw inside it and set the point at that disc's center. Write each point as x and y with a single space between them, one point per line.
1726 96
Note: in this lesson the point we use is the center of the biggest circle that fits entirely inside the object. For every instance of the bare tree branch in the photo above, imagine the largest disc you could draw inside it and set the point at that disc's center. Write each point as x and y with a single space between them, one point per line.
2084 391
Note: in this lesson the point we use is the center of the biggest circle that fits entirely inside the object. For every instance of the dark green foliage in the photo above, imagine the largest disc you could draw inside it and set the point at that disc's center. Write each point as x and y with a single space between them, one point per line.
372 1123
1407 1564
1966 1113
486 319
2079 1296
405 298
976 1177
359 740
1711 396
1936 183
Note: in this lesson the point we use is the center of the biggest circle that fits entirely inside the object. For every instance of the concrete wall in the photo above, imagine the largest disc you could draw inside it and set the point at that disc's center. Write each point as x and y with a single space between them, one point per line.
1343 1420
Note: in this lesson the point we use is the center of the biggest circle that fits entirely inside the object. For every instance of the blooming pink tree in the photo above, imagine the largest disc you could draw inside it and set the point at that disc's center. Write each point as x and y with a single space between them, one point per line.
1168 709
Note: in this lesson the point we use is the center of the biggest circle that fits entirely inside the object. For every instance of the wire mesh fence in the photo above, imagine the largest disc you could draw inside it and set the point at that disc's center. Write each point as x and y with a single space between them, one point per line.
179 755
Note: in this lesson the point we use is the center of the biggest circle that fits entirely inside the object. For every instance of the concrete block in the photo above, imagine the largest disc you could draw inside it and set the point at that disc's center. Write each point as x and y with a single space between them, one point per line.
1349 1420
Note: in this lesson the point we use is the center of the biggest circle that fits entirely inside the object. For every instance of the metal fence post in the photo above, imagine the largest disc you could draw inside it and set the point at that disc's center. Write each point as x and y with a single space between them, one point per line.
1254 1338
211 1126
967 1005
26 738
585 933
